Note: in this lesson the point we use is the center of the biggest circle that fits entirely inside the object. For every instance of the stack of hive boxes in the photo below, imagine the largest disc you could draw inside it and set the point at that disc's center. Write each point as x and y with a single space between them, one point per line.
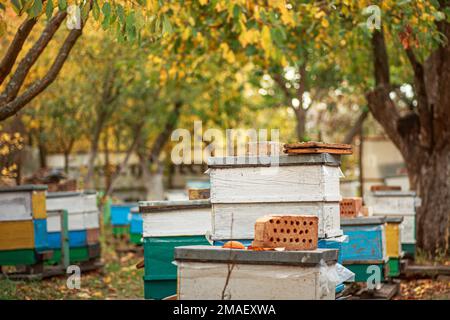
244 189
166 225
120 218
83 224
366 248
398 204
23 224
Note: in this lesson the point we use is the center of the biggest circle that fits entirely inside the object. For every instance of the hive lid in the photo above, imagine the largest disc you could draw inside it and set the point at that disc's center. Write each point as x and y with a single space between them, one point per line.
126 204
24 187
158 206
134 209
393 193
363 221
63 194
222 255
268 161
390 219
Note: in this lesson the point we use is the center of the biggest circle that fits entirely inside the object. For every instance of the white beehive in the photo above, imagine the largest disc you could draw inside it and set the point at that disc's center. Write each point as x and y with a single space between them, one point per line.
175 218
244 189
397 204
208 272
81 206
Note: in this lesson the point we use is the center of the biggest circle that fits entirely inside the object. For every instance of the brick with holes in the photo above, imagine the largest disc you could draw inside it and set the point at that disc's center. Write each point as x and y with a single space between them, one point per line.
292 232
350 207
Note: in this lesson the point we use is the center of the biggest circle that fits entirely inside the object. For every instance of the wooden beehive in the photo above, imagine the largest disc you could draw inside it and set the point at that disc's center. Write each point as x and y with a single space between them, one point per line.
289 232
350 207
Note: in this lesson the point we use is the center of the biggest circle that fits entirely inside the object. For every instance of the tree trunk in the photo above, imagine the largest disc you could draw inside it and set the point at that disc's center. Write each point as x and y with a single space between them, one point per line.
107 164
88 181
66 161
422 136
300 127
153 181
67 151
430 177
42 152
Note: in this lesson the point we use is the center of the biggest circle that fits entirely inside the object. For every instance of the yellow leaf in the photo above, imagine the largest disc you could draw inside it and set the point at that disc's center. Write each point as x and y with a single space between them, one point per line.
325 23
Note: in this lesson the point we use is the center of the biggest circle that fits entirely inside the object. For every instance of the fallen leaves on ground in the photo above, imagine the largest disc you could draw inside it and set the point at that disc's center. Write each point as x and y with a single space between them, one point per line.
425 289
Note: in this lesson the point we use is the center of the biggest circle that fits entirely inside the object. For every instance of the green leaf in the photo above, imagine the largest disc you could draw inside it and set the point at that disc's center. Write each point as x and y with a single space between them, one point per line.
167 27
17 6
120 13
85 11
62 5
106 9
35 9
49 9
96 10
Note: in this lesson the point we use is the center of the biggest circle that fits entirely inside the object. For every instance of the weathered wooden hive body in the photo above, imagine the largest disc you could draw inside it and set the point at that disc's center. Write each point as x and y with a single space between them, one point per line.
166 225
244 189
398 204
23 224
254 275
366 246
83 224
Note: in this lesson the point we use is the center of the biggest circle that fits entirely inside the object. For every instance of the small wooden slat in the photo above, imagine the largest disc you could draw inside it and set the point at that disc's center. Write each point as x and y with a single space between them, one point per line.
197 194
38 204
314 144
318 150
385 188
16 235
393 244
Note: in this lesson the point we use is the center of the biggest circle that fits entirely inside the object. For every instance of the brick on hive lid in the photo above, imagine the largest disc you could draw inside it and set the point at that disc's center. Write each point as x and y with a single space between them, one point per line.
292 232
350 207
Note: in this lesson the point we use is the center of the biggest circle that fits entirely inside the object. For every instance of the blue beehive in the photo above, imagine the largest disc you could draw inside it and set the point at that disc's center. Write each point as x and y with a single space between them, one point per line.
366 246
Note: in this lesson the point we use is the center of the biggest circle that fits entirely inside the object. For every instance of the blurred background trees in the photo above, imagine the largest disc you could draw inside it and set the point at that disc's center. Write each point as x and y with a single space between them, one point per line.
135 71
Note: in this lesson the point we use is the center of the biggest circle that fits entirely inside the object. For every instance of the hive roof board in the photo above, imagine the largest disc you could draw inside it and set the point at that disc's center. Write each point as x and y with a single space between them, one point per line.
270 161
219 254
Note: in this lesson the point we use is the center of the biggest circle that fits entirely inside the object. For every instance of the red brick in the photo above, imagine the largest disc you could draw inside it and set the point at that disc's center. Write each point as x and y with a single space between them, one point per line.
289 232
350 207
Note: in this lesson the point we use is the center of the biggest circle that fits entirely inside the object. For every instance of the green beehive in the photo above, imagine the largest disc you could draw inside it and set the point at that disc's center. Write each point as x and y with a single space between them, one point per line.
166 225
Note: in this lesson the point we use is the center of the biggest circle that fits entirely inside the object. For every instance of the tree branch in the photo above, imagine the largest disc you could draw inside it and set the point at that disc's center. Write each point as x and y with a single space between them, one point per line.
164 135
123 164
38 86
380 104
22 70
356 128
423 106
15 47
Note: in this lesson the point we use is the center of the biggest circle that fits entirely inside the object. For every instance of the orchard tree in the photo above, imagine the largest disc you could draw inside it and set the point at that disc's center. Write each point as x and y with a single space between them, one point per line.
406 42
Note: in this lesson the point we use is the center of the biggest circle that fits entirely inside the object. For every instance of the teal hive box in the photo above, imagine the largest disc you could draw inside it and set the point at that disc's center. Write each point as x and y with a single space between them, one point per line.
366 246
167 225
